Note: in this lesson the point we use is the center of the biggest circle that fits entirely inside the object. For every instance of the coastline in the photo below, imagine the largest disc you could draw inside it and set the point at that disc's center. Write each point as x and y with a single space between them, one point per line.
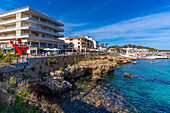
61 82
81 86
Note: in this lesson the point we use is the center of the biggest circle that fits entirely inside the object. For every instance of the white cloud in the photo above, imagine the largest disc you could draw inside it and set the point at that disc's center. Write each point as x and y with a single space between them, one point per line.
152 26
75 24
2 10
147 39
68 27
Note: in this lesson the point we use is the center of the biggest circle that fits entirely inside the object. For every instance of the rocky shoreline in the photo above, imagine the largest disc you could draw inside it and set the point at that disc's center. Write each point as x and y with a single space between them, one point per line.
62 82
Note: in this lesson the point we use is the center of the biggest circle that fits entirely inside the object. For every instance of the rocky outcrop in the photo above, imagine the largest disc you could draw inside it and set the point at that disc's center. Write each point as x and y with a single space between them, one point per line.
41 77
122 60
96 68
50 84
127 75
59 81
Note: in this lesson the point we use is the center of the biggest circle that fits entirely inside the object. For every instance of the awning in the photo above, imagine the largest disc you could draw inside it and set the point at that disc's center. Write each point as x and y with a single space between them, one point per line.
8 48
98 50
55 49
47 49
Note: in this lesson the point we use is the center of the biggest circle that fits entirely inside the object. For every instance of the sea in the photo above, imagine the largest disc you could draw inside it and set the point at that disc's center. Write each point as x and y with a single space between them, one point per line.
149 90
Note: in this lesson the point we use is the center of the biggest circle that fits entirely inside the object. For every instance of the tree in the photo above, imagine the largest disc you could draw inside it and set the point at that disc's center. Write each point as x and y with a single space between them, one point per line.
102 45
118 49
85 40
106 46
7 59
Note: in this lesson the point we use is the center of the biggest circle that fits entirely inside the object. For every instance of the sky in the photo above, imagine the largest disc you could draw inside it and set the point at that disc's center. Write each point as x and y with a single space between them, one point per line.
116 22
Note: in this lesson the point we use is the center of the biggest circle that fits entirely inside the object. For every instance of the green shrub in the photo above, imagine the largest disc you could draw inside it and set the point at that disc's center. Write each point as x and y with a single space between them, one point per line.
75 62
83 59
12 82
48 61
104 62
61 69
22 93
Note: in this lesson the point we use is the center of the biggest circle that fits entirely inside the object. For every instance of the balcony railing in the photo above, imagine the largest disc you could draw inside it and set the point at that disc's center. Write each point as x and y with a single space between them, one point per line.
7 28
45 22
7 20
7 36
37 27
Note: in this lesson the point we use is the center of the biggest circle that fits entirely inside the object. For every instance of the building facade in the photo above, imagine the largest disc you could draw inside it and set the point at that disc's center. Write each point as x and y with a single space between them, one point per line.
36 30
81 43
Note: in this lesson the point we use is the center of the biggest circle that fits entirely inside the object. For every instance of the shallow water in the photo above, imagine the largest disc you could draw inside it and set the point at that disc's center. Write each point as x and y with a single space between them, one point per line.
149 91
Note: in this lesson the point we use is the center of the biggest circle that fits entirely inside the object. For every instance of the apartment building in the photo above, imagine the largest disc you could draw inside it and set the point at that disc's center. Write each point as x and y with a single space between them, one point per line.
95 43
81 43
36 30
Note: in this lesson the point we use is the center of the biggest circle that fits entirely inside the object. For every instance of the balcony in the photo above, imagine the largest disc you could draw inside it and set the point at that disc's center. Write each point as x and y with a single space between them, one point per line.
37 37
13 28
37 28
45 23
9 21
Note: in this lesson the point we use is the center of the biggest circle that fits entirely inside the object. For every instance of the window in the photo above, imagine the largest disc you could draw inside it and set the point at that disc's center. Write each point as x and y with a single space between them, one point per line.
50 46
42 44
78 42
71 39
43 28
71 43
60 46
28 42
43 35
50 36
33 51
50 30
34 44
55 45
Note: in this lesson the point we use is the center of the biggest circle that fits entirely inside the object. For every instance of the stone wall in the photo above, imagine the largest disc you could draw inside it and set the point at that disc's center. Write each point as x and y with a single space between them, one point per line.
40 66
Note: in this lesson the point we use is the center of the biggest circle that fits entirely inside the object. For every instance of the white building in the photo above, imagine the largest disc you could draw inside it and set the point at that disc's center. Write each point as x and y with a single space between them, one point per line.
79 44
95 43
37 30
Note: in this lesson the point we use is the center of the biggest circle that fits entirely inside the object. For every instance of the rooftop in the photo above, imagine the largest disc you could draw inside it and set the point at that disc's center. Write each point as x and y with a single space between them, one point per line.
28 8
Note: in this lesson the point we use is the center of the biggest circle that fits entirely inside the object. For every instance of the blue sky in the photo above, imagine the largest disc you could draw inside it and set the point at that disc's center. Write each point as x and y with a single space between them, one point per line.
117 22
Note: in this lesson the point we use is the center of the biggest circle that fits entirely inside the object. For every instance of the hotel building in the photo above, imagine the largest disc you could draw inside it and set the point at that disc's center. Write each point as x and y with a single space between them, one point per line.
80 44
36 30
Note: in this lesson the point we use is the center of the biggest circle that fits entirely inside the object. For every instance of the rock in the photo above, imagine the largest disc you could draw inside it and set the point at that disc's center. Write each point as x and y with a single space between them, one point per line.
102 57
82 93
127 75
72 80
134 62
52 73
59 73
110 58
51 85
96 78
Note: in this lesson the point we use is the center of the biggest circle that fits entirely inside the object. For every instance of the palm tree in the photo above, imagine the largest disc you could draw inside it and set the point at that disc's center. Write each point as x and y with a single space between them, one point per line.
5 60
102 45
106 46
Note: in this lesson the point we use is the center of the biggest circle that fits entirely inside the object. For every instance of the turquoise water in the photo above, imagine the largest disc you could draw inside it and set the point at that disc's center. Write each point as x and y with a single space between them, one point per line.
149 91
